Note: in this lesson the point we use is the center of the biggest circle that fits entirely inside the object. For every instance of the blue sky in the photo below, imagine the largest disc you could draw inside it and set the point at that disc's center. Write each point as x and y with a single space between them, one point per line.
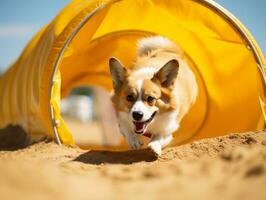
19 20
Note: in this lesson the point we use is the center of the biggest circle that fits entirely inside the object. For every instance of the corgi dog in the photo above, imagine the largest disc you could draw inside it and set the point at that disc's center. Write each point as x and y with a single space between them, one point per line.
153 94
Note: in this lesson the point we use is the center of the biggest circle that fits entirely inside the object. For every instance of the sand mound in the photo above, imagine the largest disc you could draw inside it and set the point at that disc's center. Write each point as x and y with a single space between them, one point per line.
230 167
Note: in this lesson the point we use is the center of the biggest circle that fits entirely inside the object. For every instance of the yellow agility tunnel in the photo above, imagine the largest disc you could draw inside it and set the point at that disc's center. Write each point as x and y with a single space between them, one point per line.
73 50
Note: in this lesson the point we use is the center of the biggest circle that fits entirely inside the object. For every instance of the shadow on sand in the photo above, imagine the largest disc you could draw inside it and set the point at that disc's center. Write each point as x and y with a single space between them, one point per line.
13 138
97 157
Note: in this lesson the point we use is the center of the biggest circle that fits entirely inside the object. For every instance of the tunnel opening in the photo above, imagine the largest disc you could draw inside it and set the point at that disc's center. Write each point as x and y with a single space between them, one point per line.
90 116
84 60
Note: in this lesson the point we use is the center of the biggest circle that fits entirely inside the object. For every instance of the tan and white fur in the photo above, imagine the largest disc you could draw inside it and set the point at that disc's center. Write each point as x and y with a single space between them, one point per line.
154 93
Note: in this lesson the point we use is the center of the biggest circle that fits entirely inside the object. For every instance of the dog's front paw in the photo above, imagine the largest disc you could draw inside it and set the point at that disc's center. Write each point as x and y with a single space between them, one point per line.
156 147
135 143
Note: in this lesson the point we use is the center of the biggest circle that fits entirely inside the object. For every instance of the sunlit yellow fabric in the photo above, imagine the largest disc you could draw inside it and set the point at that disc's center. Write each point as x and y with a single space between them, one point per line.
231 97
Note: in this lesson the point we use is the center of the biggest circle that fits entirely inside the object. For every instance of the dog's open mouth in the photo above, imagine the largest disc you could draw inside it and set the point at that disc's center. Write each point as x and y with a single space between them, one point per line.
141 126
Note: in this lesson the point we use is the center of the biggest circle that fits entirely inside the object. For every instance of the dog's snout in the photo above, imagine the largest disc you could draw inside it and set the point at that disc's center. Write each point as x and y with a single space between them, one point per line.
137 115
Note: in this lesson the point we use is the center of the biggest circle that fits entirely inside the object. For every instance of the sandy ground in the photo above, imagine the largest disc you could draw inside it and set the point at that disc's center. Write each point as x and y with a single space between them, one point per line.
230 167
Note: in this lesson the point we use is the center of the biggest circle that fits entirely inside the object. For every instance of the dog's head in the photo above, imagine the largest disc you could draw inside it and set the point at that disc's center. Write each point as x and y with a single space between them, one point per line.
142 99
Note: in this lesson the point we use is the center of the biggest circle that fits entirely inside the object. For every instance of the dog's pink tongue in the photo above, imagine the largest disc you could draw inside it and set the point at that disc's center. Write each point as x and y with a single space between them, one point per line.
139 126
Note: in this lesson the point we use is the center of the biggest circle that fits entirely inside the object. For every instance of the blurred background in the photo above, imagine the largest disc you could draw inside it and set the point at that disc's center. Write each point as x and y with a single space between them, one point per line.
20 20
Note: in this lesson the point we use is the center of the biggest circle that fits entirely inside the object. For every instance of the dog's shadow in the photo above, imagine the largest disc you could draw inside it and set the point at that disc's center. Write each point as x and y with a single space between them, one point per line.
97 157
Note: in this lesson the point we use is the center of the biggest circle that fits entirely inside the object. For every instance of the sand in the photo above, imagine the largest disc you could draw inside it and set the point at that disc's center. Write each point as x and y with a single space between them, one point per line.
229 167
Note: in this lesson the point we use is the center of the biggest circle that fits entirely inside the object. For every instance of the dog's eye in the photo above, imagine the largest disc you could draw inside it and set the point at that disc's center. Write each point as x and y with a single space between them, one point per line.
150 99
130 98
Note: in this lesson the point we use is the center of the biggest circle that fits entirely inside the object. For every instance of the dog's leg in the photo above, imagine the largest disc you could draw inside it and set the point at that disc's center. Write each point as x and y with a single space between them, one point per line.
158 142
133 140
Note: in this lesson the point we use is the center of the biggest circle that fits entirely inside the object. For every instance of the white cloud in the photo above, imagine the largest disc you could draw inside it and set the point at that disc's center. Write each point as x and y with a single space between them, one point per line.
16 30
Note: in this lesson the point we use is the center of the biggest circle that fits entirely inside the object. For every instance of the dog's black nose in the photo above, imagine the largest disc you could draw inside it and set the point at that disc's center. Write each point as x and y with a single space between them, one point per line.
137 115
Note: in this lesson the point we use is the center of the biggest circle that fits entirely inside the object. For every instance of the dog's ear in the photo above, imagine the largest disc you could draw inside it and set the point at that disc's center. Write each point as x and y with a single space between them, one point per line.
167 75
118 72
